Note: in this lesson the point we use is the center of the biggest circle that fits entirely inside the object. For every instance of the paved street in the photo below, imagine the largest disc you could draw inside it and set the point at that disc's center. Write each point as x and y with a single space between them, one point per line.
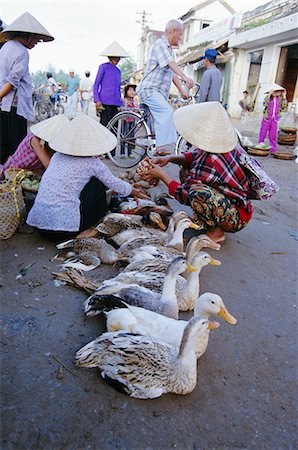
247 380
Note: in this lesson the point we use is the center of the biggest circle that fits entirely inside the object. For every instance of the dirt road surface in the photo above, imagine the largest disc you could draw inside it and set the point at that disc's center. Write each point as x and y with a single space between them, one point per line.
246 394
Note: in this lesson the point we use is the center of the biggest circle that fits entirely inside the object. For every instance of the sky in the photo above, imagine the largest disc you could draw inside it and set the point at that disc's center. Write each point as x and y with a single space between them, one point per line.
83 29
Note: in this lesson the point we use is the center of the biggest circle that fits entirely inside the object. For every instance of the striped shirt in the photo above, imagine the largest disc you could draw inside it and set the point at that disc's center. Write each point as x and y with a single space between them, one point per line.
158 76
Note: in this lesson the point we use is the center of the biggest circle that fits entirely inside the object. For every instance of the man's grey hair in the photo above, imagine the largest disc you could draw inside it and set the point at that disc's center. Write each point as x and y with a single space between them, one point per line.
173 25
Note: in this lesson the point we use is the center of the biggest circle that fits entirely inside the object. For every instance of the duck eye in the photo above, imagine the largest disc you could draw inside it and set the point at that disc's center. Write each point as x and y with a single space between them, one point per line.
212 302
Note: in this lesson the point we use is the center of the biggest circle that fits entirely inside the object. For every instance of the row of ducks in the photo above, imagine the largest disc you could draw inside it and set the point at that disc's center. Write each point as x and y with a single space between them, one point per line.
147 351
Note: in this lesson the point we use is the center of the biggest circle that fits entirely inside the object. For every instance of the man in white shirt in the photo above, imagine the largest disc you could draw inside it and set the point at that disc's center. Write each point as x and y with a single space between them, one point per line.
86 88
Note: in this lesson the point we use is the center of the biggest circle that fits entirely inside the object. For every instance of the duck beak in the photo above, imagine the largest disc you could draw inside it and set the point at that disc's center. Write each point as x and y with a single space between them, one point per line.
214 262
213 325
194 226
161 225
224 314
191 268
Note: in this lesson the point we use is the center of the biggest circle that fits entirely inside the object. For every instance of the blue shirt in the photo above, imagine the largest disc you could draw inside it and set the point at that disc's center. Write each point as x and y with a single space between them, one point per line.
72 84
210 85
14 70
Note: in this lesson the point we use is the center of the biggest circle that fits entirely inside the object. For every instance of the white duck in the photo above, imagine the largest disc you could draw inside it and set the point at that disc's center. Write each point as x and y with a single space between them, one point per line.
142 366
141 321
111 296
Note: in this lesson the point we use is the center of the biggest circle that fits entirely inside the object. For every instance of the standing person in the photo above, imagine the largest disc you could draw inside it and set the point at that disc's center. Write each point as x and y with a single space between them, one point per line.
86 92
106 90
72 84
274 103
60 211
154 88
216 187
16 105
129 102
211 79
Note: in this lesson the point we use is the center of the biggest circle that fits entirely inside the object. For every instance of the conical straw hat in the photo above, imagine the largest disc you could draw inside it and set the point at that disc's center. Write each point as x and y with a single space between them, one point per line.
83 136
49 128
115 49
206 126
274 87
26 23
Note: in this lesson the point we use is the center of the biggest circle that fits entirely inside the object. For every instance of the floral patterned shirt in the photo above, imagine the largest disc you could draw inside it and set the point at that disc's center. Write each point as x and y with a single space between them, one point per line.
57 204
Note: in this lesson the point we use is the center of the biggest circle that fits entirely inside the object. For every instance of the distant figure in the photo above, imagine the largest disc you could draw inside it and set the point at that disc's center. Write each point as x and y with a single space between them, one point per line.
245 102
53 87
154 88
129 102
72 84
274 103
86 86
211 79
106 90
15 81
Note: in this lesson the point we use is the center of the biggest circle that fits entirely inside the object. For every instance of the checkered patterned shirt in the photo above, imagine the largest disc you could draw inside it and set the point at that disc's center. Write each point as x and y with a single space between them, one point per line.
158 76
221 171
25 157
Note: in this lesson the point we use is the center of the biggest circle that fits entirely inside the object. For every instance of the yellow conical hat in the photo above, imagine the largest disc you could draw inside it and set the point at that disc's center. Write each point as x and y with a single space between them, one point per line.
26 23
115 49
83 136
206 126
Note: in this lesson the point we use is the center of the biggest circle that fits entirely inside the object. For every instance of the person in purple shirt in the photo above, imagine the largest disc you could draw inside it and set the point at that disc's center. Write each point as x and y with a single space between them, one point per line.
15 82
106 90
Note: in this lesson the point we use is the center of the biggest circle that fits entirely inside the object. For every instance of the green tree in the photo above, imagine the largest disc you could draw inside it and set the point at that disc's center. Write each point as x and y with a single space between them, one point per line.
128 67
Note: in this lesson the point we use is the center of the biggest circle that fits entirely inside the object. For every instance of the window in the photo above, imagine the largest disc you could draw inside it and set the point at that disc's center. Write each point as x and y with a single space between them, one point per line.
256 59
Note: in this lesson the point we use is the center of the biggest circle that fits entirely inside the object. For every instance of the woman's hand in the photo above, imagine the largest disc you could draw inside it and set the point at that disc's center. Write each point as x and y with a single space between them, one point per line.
162 161
137 193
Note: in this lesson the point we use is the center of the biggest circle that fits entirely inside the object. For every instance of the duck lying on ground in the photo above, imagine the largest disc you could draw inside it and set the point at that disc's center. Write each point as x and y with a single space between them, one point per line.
142 366
164 303
142 321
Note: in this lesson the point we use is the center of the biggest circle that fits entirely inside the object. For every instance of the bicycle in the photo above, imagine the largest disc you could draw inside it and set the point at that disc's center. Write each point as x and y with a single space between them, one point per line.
44 106
134 130
136 141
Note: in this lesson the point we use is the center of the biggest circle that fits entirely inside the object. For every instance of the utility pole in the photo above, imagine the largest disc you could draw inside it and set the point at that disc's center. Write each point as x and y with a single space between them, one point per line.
142 46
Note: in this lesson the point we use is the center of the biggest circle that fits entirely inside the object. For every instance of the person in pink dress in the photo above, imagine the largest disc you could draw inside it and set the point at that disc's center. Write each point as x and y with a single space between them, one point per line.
129 102
274 103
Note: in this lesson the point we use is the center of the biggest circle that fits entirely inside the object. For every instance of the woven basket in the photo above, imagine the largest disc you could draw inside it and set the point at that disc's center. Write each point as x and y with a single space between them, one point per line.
12 208
19 175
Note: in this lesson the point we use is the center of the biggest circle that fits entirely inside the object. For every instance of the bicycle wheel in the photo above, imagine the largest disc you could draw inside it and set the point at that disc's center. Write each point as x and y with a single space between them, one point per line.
133 139
42 110
59 109
182 146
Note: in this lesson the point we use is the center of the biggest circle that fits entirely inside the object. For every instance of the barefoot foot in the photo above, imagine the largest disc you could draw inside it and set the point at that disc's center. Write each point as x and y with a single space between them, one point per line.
217 235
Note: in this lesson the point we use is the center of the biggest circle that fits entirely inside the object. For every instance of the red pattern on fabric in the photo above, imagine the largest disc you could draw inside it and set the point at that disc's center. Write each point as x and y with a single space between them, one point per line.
25 157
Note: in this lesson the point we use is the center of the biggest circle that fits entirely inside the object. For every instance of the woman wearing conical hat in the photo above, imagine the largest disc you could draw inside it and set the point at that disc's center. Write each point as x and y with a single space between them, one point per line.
216 186
274 103
63 207
34 152
106 89
15 81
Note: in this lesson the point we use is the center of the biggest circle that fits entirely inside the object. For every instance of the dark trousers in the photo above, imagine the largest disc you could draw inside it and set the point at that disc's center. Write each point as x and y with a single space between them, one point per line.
13 130
93 207
107 114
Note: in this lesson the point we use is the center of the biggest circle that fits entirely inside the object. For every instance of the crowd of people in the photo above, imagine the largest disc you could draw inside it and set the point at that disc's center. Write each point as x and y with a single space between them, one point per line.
65 149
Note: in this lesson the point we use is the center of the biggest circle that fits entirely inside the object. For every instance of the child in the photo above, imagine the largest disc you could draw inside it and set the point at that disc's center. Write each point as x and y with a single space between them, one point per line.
65 205
129 102
274 103
34 153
